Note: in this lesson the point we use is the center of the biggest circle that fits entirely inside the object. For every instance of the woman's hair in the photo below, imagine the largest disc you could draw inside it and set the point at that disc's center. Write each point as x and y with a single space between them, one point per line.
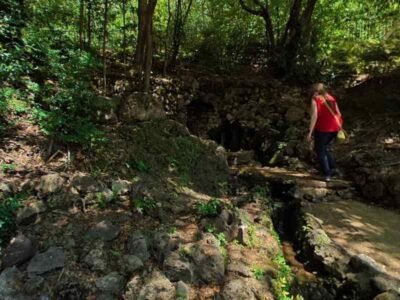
318 88
321 90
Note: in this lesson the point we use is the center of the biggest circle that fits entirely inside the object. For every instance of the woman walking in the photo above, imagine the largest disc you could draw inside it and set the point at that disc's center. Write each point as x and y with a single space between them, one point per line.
326 121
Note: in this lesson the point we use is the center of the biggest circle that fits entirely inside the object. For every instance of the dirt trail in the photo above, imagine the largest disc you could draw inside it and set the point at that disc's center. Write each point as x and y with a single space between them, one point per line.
363 229
356 227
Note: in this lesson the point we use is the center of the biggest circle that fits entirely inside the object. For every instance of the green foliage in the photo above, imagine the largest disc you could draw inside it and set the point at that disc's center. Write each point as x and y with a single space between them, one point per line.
103 201
212 208
282 283
139 165
210 228
258 273
185 157
171 230
7 167
145 204
221 239
66 111
254 241
8 209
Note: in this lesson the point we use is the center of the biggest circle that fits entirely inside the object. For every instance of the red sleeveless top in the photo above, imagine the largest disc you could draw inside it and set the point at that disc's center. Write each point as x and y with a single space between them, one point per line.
326 122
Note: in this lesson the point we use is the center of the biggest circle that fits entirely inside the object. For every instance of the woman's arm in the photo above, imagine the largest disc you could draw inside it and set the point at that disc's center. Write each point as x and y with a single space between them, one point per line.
313 120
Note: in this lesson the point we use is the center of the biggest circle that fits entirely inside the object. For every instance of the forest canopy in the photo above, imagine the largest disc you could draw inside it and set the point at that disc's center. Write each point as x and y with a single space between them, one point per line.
55 56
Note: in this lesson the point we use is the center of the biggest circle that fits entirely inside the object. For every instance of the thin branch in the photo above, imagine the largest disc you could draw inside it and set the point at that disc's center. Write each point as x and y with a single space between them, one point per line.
250 10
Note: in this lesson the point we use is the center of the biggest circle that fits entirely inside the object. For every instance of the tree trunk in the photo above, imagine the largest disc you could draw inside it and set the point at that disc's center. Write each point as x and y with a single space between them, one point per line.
151 5
124 34
283 50
105 21
180 21
81 23
89 24
144 48
140 43
167 37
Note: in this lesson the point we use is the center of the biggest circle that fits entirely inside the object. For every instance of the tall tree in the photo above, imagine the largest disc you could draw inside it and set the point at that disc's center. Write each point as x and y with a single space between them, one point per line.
181 15
81 23
89 23
105 34
284 47
144 46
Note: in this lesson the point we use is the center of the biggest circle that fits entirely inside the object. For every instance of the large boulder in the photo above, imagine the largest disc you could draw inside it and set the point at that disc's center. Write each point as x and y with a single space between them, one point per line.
10 285
19 250
105 231
137 245
139 107
47 261
111 284
208 260
158 287
50 183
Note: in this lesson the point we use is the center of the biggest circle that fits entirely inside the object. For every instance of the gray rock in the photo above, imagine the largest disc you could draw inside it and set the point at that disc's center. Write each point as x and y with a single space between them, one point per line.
182 291
384 283
246 288
137 245
33 284
208 260
106 296
85 184
5 188
228 223
177 269
388 296
240 269
10 284
19 250
162 245
157 288
104 231
30 212
131 263
362 262
121 187
237 289
47 261
112 283
133 288
107 194
50 184
97 258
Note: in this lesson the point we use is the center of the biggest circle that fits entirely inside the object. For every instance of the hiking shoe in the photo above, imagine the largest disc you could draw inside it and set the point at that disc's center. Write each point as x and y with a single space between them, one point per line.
327 178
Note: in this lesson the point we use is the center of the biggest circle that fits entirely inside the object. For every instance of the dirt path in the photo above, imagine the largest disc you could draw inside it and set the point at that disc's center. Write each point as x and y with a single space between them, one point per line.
363 229
356 227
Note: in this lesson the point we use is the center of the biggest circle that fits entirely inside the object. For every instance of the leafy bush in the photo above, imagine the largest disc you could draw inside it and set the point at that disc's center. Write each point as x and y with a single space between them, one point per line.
210 209
258 272
145 205
139 165
65 112
8 209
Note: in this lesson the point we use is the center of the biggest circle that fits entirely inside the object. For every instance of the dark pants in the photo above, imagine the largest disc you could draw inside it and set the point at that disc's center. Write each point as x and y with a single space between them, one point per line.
323 142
